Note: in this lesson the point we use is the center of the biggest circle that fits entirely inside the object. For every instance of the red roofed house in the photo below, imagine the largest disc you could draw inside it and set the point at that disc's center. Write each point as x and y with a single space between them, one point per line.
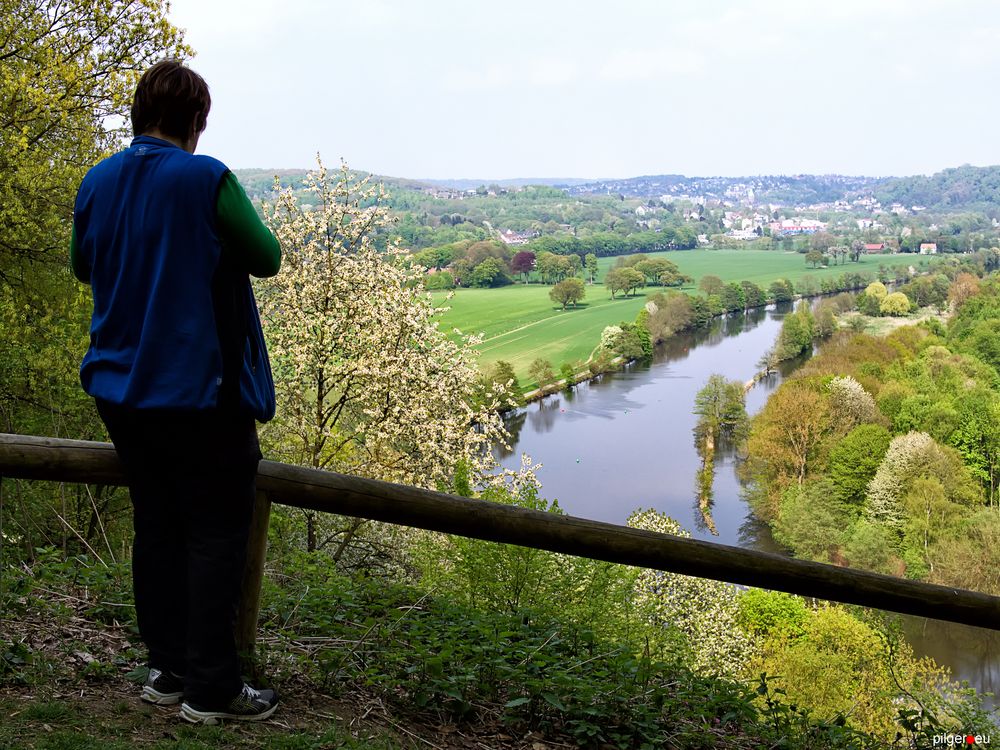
877 247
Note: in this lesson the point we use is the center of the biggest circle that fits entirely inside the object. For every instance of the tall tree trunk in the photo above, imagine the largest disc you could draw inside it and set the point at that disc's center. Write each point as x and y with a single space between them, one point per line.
310 531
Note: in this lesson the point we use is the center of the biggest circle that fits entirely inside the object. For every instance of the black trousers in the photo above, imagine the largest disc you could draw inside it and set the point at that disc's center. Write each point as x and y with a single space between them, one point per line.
192 482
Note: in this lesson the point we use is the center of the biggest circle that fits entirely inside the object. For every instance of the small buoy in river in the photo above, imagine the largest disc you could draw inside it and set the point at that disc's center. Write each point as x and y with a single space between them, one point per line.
563 411
578 460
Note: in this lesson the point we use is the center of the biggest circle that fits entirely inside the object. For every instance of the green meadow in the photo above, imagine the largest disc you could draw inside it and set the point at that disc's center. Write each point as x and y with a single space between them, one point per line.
764 266
519 323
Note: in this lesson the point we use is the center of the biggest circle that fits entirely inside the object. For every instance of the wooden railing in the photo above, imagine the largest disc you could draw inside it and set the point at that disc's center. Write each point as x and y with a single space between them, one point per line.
29 457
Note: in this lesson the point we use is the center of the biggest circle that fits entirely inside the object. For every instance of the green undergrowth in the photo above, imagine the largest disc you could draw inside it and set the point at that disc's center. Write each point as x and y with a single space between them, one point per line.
530 671
429 661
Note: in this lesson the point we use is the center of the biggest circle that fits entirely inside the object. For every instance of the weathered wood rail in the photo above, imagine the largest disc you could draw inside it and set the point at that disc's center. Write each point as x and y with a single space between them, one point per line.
29 457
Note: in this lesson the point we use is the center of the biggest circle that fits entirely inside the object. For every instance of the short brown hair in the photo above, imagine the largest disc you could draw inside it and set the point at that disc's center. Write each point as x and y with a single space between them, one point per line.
171 97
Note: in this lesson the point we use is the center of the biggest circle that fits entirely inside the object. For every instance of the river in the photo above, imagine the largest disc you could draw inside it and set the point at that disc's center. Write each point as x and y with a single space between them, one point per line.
624 442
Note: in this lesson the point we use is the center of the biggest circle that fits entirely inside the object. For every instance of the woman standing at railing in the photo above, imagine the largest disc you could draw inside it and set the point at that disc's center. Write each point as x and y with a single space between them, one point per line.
177 365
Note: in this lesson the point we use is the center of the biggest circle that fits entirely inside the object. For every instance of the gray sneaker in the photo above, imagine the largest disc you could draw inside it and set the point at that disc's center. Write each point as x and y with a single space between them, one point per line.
248 705
162 688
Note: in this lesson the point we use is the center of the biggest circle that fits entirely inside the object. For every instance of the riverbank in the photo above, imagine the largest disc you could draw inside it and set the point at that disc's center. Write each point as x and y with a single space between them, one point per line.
519 323
880 326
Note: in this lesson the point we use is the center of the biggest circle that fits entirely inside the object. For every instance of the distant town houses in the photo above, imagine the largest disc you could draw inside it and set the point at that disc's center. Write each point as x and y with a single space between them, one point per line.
510 237
446 193
741 192
868 203
744 227
787 227
721 207
455 194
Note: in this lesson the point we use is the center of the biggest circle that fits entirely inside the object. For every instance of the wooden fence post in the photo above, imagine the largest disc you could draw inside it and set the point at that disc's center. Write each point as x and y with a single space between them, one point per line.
253 576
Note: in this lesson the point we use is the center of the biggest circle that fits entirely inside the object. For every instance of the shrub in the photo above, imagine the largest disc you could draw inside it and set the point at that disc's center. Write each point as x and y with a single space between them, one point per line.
440 280
764 612
705 611
568 374
894 304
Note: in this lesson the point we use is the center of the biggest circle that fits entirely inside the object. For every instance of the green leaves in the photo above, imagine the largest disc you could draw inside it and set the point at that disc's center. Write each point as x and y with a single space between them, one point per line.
720 407
530 668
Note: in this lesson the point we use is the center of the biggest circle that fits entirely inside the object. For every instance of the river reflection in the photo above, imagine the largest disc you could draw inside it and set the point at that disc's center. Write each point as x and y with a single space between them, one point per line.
625 442
972 653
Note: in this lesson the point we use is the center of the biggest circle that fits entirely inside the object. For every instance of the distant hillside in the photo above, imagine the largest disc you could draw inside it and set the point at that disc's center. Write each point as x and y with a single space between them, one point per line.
470 184
957 188
260 182
783 189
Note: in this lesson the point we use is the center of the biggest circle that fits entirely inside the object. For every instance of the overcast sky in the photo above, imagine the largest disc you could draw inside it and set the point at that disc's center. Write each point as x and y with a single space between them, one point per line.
584 88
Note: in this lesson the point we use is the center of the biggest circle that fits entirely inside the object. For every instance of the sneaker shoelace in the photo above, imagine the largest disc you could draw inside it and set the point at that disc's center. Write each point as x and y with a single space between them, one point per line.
248 699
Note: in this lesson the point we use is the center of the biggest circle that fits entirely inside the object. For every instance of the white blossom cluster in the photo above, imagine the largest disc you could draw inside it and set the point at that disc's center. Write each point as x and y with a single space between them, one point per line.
705 611
852 405
366 382
609 336
904 459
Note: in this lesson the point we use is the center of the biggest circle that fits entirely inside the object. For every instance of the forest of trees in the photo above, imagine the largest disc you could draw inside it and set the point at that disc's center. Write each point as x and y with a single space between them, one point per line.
883 454
958 188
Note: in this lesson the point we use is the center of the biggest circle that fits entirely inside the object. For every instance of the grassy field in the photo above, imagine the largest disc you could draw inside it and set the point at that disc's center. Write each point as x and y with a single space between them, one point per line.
520 323
764 266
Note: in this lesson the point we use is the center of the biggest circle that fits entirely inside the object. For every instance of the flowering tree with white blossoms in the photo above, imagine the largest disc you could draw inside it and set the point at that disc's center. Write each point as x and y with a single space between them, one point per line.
851 404
904 459
705 611
912 456
366 382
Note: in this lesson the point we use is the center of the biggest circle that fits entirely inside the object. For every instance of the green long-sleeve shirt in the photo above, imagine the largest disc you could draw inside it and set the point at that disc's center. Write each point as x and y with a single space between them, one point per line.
244 237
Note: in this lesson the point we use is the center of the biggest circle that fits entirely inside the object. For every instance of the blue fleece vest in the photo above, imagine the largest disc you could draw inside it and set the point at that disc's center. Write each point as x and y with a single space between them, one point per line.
145 223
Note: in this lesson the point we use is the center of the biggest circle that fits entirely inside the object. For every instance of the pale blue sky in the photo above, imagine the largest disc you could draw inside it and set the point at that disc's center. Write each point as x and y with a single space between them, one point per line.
442 88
